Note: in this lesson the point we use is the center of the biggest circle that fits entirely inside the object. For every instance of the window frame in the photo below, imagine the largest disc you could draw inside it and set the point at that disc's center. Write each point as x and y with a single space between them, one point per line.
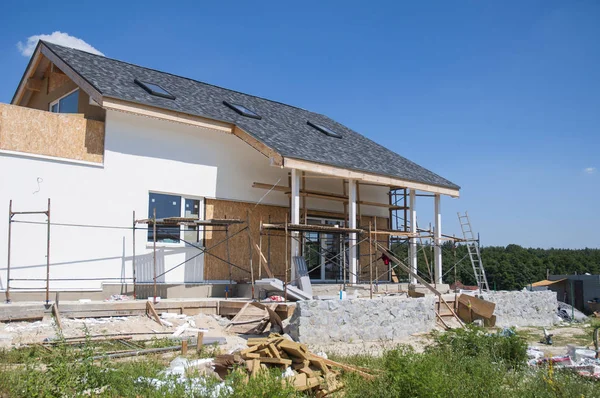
325 130
182 228
237 109
323 246
57 101
144 85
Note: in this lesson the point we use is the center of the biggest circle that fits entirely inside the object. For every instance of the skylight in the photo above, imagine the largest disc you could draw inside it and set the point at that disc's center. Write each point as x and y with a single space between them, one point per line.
324 129
154 89
242 110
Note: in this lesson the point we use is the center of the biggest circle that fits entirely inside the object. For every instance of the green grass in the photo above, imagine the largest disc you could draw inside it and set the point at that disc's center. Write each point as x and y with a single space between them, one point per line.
460 363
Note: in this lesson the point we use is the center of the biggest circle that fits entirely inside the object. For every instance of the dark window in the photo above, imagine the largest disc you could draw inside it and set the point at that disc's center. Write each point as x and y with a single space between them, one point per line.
166 206
242 110
324 130
192 234
67 104
154 89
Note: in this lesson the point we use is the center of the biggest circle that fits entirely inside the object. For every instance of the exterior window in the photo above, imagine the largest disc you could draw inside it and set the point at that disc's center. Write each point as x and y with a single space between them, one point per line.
322 252
67 104
174 206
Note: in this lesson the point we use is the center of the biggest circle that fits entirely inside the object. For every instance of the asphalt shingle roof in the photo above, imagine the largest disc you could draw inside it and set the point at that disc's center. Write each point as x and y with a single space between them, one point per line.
282 127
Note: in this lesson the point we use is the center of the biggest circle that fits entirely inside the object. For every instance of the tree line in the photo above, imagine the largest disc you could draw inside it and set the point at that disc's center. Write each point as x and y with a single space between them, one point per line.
507 268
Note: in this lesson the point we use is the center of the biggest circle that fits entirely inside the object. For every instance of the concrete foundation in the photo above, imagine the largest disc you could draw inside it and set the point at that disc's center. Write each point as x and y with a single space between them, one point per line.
386 318
524 308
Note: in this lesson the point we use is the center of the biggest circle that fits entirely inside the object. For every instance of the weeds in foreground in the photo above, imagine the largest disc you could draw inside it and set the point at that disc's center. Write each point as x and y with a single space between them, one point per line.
461 363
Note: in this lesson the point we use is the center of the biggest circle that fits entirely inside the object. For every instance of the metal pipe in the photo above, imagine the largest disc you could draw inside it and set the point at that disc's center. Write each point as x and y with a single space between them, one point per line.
10 214
286 260
370 261
133 258
228 256
250 252
154 249
48 257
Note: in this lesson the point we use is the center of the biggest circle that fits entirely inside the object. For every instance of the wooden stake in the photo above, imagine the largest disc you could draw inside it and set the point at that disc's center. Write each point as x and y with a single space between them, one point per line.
184 347
56 314
199 342
150 309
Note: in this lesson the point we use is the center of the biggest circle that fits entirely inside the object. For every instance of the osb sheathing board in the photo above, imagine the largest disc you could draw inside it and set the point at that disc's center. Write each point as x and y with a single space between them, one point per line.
38 132
379 268
216 269
56 79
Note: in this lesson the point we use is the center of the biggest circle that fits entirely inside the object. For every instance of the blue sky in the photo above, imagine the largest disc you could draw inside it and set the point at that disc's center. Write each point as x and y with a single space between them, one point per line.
502 98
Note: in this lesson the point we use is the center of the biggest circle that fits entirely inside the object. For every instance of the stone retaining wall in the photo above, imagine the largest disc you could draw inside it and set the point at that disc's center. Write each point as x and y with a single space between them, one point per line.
387 318
524 308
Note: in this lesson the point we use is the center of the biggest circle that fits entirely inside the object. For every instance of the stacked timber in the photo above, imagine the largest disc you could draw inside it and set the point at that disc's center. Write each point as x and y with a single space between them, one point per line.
304 370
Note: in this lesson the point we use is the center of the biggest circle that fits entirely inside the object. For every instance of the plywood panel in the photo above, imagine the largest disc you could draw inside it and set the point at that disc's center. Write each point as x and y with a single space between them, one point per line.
38 132
379 268
216 269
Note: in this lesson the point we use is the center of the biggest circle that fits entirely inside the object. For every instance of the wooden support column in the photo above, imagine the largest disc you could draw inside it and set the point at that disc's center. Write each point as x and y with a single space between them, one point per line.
413 240
438 239
295 218
352 213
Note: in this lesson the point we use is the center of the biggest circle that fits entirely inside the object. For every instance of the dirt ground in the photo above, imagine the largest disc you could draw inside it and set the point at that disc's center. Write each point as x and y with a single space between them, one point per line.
19 333
579 334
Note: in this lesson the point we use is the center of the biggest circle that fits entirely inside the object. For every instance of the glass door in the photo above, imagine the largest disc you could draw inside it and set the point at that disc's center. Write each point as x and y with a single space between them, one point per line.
322 252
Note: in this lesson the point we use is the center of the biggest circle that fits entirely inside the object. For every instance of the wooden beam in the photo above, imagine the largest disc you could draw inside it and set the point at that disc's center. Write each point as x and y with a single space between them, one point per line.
320 195
34 84
31 68
366 177
77 79
164 114
274 157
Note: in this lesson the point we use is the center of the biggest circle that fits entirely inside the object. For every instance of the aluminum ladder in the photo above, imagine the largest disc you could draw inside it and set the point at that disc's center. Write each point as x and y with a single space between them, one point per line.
473 249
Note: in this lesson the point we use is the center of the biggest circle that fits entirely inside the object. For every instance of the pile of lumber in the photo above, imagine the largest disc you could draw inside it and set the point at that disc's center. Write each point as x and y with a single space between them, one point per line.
307 371
254 318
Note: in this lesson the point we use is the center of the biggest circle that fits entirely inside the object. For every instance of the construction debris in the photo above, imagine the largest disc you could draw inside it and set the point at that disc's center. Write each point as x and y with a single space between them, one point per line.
300 367
254 318
570 314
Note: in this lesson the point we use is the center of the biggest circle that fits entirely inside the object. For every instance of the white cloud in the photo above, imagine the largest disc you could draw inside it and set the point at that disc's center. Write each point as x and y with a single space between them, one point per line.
60 38
589 170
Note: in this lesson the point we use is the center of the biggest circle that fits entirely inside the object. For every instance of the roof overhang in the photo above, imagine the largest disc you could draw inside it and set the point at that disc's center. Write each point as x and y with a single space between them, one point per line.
546 282
340 172
276 159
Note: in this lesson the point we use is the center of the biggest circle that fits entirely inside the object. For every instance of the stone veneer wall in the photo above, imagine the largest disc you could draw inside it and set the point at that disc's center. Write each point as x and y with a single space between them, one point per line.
524 308
386 318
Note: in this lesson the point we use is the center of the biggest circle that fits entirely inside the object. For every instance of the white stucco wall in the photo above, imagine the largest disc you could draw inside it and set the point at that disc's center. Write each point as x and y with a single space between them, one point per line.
141 155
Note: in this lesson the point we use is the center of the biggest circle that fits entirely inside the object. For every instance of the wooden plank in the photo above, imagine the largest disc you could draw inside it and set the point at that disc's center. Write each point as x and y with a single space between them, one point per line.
56 314
483 308
345 367
265 263
165 114
275 158
153 314
368 177
321 195
275 361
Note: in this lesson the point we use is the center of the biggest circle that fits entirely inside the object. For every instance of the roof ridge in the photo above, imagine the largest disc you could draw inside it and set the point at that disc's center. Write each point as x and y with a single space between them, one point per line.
179 76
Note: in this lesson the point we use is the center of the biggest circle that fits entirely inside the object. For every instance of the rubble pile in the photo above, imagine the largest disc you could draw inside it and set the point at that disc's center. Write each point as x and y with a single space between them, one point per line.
569 314
578 359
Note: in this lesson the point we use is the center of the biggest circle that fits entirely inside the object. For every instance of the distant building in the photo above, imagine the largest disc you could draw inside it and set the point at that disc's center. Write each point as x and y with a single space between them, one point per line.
581 291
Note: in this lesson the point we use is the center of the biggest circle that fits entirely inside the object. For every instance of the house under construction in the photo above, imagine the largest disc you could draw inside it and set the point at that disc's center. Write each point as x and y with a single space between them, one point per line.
123 179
